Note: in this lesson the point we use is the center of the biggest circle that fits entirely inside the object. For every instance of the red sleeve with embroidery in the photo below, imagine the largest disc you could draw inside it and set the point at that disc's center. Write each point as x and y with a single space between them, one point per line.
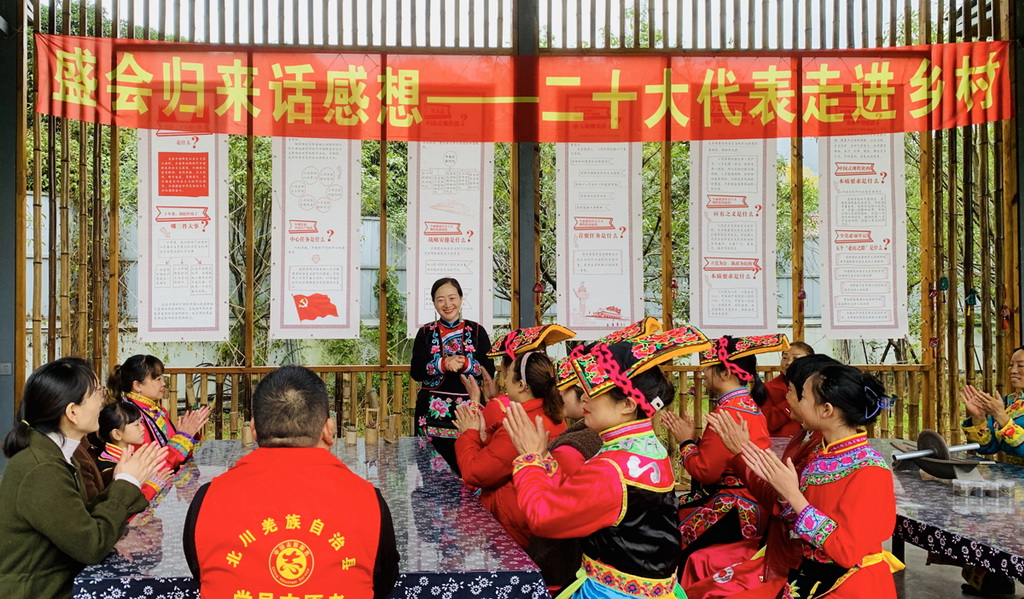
850 518
176 452
489 465
569 507
709 459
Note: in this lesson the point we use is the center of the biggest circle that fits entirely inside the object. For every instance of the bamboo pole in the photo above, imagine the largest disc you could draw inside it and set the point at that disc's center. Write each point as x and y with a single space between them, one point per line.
79 324
796 220
382 271
929 291
20 219
249 340
37 224
985 287
64 247
667 268
96 254
969 208
835 24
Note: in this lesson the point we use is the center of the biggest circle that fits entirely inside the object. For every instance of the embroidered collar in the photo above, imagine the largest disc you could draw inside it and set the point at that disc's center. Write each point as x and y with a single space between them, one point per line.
854 441
455 324
634 427
734 394
111 453
145 401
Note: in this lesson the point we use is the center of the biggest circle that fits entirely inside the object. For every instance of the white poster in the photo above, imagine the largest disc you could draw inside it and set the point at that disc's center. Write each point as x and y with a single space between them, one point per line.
451 222
732 237
863 238
600 264
314 290
183 236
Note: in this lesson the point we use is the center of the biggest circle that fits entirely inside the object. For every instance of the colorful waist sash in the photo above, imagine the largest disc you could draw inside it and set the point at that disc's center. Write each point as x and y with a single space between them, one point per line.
629 584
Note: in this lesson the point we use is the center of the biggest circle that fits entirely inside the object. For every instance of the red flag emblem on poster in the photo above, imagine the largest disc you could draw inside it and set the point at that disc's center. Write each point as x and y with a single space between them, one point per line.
311 307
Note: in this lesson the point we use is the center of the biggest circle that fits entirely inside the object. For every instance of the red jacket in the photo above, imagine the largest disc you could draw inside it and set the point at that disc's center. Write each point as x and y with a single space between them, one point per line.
291 520
776 409
488 465
716 489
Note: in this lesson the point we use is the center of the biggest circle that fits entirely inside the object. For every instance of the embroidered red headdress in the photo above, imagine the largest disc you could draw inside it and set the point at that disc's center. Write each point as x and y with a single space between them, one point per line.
726 350
564 372
520 341
599 370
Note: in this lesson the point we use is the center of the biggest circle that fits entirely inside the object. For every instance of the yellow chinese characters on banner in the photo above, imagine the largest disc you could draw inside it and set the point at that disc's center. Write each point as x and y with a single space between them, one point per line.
223 89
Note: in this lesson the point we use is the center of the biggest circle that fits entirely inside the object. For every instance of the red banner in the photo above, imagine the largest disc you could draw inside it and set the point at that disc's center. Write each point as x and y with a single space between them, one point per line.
233 89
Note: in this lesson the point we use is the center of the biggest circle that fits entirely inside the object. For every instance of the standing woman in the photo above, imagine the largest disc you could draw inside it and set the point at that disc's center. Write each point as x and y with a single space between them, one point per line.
140 380
48 530
444 350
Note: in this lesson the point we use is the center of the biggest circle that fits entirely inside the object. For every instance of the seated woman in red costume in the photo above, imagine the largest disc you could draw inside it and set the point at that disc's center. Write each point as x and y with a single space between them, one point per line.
722 570
776 410
842 506
620 503
719 509
530 383
506 348
140 380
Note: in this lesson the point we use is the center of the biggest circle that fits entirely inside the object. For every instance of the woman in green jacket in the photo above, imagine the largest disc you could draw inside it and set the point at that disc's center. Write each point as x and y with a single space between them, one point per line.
48 531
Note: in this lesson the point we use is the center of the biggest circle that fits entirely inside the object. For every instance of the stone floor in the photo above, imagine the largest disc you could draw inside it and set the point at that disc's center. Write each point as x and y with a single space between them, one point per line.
920 581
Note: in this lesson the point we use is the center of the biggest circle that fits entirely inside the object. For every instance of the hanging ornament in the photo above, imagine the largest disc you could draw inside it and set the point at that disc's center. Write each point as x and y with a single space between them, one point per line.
972 297
1005 314
944 283
801 295
538 288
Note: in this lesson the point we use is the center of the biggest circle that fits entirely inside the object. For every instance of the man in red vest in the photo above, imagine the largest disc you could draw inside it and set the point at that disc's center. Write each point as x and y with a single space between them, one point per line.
290 519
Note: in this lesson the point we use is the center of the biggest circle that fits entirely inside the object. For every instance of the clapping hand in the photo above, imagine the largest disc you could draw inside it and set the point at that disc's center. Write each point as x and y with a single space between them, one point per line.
472 387
528 437
734 434
989 405
781 476
192 422
142 462
490 386
468 417
681 427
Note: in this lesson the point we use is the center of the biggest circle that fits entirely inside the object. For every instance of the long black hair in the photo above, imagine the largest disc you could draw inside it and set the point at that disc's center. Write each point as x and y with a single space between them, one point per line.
48 392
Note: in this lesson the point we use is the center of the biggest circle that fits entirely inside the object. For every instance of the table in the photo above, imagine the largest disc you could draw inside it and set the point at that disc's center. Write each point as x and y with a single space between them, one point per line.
986 532
450 545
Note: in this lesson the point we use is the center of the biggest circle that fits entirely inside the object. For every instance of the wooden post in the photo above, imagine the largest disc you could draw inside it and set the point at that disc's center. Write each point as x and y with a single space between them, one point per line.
796 217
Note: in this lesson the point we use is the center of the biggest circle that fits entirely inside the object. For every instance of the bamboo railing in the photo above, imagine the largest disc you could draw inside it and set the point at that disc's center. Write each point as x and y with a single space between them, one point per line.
382 400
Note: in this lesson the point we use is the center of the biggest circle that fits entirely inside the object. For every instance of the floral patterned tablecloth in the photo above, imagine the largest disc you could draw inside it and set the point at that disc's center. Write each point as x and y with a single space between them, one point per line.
450 545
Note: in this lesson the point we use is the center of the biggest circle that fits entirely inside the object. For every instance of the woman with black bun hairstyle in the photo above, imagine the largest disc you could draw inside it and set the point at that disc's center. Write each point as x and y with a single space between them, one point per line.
443 350
842 506
48 530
